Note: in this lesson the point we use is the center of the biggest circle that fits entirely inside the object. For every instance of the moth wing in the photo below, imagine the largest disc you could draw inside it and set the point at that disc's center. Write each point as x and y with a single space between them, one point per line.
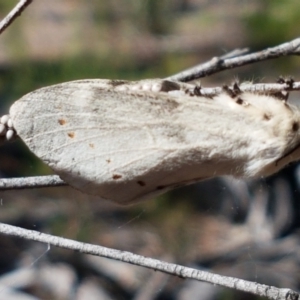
102 142
129 145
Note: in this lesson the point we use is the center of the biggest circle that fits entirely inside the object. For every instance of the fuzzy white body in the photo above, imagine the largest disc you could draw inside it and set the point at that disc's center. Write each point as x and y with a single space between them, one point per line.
129 141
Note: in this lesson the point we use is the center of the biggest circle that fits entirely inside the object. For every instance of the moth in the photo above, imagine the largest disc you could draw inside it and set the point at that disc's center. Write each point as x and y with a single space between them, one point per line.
128 141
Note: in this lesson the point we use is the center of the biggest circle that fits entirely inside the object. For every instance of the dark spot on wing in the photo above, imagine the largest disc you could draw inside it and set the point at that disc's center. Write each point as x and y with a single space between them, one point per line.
62 121
295 126
116 176
71 134
141 183
92 145
108 161
267 117
240 101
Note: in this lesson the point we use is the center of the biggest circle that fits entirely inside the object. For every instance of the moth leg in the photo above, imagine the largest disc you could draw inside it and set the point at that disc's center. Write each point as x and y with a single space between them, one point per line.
7 131
284 95
233 91
289 81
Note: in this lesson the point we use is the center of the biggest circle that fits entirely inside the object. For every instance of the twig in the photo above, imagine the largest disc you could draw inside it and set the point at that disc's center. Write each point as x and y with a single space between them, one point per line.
31 182
260 88
152 285
218 64
157 265
16 12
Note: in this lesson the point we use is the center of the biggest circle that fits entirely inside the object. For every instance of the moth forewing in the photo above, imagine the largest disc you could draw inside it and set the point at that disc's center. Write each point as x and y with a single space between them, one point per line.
130 141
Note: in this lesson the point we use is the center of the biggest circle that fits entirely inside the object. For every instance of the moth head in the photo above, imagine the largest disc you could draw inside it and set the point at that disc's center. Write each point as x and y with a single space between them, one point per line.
279 130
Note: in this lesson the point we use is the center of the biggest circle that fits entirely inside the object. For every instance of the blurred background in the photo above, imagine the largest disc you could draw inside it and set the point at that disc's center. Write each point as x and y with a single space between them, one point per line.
246 229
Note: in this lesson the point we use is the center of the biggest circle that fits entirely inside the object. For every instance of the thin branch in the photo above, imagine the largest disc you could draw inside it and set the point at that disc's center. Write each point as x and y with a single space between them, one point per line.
16 12
260 88
157 265
218 64
31 182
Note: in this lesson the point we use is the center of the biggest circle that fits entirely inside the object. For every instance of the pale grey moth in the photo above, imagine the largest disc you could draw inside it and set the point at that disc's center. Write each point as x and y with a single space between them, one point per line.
128 141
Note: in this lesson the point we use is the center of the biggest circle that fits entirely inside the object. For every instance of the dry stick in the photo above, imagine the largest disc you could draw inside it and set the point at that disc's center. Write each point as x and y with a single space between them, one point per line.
16 12
152 285
218 64
31 182
260 88
157 265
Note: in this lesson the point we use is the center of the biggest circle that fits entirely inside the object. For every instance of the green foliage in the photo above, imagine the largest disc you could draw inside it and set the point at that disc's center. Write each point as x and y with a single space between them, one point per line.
5 6
275 22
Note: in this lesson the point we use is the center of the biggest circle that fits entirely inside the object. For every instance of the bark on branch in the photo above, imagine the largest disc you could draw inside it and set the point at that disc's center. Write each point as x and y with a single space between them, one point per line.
157 265
218 64
15 12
